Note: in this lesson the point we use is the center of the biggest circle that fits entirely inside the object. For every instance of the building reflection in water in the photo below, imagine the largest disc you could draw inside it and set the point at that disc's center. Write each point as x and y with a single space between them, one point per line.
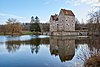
62 47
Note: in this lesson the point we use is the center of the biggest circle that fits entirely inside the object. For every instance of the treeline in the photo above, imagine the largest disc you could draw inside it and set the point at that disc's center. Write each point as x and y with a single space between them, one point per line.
93 24
34 24
14 27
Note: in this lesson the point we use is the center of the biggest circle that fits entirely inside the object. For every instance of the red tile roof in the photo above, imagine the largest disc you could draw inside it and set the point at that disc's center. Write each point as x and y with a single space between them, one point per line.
68 12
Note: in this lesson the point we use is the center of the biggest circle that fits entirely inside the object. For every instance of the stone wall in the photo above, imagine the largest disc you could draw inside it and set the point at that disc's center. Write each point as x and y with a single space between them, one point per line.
69 23
70 33
64 33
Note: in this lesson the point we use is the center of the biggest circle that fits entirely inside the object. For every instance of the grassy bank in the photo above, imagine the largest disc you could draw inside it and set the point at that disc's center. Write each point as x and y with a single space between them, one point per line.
22 33
30 33
26 33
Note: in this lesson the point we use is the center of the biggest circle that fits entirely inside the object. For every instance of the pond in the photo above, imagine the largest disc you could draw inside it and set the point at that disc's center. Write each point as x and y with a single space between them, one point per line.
46 51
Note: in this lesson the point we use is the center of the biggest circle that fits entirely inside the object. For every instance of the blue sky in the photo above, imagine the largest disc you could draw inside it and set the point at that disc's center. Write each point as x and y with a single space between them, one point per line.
22 10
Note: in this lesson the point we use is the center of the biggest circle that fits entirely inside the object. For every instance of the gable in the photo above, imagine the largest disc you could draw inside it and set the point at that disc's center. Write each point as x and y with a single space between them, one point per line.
67 12
54 17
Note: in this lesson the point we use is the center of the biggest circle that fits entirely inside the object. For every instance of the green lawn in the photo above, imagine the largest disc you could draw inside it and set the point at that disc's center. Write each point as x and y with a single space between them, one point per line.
26 33
30 33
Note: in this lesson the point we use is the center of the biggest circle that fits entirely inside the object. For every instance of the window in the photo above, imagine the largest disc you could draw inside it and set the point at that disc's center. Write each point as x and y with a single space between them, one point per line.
67 24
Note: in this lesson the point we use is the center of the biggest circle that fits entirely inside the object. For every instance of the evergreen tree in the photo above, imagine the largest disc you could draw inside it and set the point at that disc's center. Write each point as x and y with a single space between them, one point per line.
37 19
34 26
32 20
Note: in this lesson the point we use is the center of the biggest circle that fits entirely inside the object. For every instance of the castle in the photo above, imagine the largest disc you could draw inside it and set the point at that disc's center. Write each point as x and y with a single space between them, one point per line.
63 24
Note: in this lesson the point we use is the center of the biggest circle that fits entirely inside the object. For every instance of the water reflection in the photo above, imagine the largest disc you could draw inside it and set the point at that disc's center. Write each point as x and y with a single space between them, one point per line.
34 44
94 42
14 45
63 47
87 48
59 46
68 49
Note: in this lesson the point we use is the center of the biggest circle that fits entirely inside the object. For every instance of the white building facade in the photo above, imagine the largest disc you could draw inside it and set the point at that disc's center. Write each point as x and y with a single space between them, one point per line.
63 24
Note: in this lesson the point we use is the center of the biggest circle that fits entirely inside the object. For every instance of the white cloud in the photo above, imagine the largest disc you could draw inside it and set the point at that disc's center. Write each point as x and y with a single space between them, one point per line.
4 15
97 4
79 2
76 2
50 2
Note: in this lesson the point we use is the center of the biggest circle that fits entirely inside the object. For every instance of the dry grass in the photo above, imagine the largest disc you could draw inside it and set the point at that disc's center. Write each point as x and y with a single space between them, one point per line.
93 61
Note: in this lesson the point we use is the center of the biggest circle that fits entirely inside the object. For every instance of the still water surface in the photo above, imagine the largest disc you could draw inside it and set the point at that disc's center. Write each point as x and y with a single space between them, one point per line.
46 51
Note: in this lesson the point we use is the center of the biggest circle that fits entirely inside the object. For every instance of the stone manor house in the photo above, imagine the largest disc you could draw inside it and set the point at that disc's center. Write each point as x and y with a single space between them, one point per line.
63 24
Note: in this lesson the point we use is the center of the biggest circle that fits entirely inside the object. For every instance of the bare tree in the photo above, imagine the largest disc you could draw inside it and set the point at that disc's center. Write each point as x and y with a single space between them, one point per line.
13 26
94 23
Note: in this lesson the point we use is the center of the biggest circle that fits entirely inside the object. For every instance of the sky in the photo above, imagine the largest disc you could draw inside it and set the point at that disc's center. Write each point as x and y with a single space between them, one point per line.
22 10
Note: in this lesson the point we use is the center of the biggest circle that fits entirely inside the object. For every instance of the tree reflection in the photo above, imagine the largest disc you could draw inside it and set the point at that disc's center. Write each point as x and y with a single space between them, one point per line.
35 49
90 51
63 47
14 45
66 48
35 45
94 42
